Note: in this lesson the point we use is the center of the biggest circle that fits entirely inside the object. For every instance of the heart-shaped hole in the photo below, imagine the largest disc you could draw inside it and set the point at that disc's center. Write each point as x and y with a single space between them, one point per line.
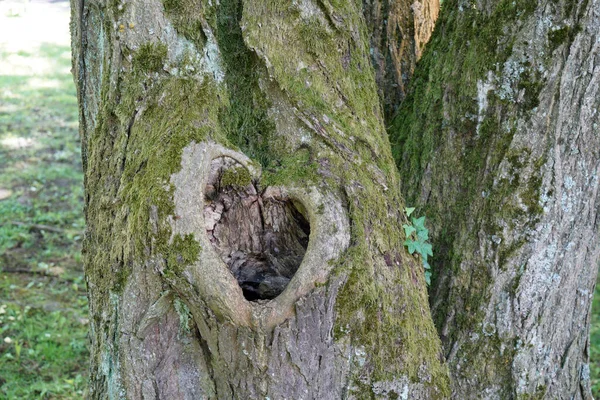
261 235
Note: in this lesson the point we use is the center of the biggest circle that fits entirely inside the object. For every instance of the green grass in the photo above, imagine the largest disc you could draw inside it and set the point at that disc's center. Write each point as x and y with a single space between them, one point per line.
43 306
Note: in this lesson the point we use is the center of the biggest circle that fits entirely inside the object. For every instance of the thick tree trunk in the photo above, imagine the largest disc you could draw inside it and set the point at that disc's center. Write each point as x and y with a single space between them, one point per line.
244 220
399 31
499 144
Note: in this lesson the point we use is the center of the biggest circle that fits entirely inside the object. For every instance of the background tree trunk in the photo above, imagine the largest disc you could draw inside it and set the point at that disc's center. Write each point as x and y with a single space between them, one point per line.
224 143
399 31
499 143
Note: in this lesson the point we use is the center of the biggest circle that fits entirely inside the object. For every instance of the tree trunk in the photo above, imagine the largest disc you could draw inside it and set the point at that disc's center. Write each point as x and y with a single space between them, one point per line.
498 143
243 212
399 31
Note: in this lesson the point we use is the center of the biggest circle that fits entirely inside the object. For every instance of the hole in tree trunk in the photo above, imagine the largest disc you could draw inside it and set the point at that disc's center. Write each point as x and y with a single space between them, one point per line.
261 235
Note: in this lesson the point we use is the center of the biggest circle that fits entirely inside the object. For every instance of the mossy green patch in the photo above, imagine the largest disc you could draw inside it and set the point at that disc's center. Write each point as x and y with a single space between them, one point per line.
531 197
182 115
558 37
236 177
184 250
299 168
186 16
532 84
150 57
185 316
177 111
244 118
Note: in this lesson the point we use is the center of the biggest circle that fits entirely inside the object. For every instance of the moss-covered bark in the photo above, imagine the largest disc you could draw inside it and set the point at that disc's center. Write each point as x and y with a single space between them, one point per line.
285 90
497 144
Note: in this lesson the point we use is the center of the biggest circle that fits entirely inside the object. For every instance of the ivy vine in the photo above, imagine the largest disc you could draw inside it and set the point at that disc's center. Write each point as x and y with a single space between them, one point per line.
417 236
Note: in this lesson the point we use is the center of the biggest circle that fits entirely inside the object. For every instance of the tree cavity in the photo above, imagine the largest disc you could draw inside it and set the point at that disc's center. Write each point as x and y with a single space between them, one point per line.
261 235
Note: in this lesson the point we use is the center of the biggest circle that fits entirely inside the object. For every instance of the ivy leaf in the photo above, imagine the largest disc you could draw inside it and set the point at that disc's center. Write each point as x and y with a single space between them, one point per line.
419 223
426 249
408 229
426 264
428 278
423 235
411 245
409 210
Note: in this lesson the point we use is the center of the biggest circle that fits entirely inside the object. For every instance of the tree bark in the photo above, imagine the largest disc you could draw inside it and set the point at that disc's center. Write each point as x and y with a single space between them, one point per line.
498 145
399 30
217 138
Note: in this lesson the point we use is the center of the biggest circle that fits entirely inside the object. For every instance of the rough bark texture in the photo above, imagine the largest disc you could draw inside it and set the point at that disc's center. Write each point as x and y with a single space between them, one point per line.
188 106
262 237
498 144
399 31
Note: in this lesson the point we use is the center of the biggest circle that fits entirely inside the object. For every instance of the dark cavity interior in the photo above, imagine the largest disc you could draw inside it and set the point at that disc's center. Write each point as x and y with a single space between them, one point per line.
261 235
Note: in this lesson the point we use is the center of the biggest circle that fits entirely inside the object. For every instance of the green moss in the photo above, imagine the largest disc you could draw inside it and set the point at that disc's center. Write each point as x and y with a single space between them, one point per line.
506 252
298 168
244 118
540 394
315 37
558 37
121 278
150 57
132 157
155 145
186 17
532 84
182 251
236 177
370 311
531 197
185 317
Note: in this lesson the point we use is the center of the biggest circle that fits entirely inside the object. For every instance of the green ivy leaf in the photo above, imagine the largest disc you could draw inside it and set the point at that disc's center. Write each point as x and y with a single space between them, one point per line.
411 245
427 249
419 223
423 255
428 278
419 247
408 229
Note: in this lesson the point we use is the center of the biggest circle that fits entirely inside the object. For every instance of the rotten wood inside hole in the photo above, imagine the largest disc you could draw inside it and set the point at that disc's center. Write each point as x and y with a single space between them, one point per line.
261 235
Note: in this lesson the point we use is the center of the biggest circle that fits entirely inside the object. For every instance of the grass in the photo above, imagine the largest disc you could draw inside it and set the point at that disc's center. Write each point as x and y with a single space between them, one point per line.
43 305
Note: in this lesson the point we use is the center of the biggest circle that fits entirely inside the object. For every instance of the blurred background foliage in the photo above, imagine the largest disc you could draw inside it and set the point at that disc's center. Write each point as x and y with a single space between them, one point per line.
43 306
